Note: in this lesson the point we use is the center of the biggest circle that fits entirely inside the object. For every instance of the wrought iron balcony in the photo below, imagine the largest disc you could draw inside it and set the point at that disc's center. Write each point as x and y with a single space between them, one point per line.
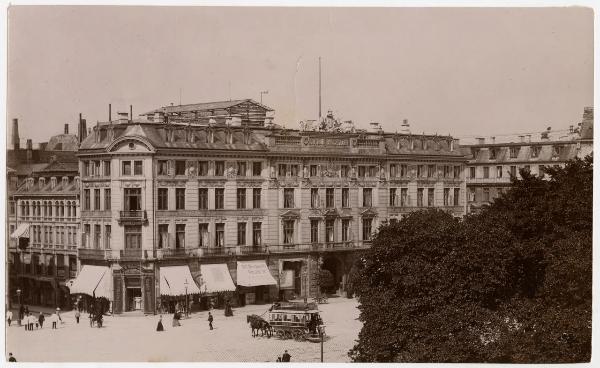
133 217
131 254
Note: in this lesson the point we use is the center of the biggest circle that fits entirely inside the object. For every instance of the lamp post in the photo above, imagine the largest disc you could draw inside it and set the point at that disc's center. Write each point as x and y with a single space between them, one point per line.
321 333
186 298
19 299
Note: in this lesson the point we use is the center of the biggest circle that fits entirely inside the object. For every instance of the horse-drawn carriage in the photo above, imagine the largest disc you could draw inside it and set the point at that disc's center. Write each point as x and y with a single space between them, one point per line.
299 321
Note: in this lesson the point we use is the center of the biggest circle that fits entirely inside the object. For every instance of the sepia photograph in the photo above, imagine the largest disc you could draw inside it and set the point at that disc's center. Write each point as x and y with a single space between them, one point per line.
304 184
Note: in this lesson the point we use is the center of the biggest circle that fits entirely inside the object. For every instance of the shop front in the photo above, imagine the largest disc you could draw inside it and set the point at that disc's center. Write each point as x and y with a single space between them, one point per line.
217 285
95 282
254 282
177 289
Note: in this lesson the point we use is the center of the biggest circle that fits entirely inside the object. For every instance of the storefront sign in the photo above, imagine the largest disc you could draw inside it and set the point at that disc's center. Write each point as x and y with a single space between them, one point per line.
286 279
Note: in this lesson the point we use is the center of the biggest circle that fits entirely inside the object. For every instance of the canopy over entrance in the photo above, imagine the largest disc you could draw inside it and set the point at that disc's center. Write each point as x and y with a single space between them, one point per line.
174 279
22 231
254 273
216 278
94 281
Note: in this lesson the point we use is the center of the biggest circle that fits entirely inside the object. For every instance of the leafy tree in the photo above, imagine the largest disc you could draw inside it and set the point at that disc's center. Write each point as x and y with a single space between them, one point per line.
511 284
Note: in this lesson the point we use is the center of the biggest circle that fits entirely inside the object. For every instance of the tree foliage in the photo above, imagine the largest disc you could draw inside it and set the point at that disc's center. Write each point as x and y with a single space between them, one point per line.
510 284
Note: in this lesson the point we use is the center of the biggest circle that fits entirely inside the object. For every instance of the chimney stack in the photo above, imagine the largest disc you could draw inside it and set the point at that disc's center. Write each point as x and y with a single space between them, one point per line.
109 113
528 138
521 138
122 117
29 144
15 134
131 112
66 128
82 131
480 140
493 140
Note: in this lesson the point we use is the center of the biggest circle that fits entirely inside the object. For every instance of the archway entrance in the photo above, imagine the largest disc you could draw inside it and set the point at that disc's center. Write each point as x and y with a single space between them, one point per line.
331 274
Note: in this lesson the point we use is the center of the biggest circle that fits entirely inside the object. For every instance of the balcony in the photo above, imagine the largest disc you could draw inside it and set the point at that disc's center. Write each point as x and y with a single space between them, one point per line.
502 180
319 247
131 254
133 217
97 254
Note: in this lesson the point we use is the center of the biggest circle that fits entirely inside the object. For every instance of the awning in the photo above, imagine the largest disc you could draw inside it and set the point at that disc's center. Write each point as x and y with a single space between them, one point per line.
254 273
216 278
94 281
22 231
173 281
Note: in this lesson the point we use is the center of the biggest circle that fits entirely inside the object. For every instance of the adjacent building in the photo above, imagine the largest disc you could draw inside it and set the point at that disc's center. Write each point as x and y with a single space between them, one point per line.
205 199
492 163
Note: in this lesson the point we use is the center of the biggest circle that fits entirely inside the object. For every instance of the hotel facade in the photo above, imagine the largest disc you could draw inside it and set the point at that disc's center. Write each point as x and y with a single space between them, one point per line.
210 198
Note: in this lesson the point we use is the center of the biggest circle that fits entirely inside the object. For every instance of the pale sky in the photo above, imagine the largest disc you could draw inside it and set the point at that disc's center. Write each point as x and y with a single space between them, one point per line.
453 71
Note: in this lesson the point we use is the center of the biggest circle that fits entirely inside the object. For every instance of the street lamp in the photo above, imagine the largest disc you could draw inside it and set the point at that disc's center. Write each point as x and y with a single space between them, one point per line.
19 299
321 334
186 298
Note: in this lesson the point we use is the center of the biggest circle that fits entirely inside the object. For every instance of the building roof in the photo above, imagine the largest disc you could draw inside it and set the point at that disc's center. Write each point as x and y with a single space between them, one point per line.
205 106
59 189
63 142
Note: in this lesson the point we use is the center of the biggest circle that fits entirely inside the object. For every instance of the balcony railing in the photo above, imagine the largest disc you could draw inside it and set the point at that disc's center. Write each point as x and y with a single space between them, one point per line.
85 253
131 253
138 216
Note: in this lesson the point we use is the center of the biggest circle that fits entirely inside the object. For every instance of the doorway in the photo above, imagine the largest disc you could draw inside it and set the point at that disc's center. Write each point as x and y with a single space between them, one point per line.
133 299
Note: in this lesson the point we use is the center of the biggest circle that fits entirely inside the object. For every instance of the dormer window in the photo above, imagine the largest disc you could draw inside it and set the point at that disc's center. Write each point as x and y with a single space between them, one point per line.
492 153
535 151
556 150
514 152
474 152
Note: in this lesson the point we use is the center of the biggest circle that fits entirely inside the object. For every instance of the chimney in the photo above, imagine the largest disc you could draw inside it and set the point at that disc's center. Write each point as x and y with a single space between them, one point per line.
570 128
123 117
66 128
493 140
53 182
15 134
480 140
82 131
29 149
528 138
109 113
131 112
521 138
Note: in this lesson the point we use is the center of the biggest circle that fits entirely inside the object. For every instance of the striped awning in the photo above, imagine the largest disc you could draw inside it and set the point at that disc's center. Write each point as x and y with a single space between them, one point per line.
22 231
177 281
94 281
216 278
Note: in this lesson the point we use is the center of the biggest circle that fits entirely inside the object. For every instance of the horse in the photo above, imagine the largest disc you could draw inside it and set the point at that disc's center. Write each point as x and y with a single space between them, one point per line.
259 324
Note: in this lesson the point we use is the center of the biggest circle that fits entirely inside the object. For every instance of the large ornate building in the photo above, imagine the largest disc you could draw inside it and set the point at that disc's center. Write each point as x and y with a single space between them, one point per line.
208 198
493 162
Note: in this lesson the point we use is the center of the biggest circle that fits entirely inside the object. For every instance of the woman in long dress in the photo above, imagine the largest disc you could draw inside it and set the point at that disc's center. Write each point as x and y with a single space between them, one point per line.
160 327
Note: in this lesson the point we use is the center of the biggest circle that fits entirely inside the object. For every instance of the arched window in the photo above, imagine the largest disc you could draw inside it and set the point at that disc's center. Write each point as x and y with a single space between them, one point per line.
22 208
49 209
39 209
62 209
68 209
33 207
74 210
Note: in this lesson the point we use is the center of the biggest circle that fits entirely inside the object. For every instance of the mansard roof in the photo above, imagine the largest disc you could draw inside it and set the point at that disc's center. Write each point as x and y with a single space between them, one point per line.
205 106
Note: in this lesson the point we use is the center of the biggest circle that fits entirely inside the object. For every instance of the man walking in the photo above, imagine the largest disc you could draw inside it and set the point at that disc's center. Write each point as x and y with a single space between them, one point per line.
41 319
210 320
31 321
54 319
77 315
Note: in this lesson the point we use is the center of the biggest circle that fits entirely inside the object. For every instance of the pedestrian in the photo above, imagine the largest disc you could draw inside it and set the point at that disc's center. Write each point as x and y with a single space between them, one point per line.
54 319
41 319
210 320
228 310
286 357
58 314
278 359
31 320
91 316
9 317
176 317
11 358
77 315
160 327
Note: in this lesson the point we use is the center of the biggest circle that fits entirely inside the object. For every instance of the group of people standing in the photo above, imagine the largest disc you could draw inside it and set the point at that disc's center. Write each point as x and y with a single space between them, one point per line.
29 320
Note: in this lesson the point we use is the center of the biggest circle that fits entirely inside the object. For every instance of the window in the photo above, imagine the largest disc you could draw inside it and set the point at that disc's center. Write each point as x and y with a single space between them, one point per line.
329 230
362 171
345 171
430 171
527 168
345 197
219 168
313 170
420 197
180 167
446 196
241 168
163 236
288 231
513 171
486 194
180 198
345 230
514 152
314 197
96 168
393 170
257 168
329 198
133 237
106 199
541 169
294 170
126 168
404 197
179 236
492 153
86 200
219 235
241 198
219 198
447 171
256 194
203 237
163 199
420 171
107 236
281 170
84 170
366 225
203 198
556 150
471 194
456 172
486 172
256 233
314 231
367 197
202 168
403 170
163 167
535 151
498 171
472 172
96 199
456 196
137 167
393 202
11 208
288 198
430 193
241 233
106 168
133 199
372 171
86 234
